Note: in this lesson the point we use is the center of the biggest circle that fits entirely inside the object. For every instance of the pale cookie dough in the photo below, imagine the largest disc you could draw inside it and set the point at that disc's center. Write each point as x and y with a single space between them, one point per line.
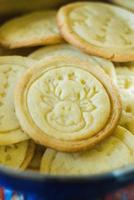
99 29
125 80
114 152
129 4
68 50
11 69
67 104
15 156
34 29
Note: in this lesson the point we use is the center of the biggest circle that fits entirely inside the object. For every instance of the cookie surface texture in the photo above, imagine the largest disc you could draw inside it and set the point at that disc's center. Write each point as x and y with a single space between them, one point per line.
68 50
14 155
11 69
125 80
60 104
111 37
38 28
114 152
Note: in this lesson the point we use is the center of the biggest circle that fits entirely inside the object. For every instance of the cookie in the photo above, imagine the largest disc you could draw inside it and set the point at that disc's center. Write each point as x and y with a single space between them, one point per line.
129 4
114 152
11 69
60 104
125 80
68 50
110 37
15 155
36 160
34 29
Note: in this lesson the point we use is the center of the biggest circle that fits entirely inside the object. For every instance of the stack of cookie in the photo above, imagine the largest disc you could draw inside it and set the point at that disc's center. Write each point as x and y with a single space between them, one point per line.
68 108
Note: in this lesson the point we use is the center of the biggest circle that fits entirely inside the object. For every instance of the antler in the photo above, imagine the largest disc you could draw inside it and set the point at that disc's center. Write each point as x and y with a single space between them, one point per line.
48 94
87 104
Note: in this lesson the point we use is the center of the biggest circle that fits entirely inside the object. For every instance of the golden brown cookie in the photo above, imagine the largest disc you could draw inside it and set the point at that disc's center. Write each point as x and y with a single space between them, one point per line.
11 69
67 104
99 29
17 156
114 152
68 50
34 29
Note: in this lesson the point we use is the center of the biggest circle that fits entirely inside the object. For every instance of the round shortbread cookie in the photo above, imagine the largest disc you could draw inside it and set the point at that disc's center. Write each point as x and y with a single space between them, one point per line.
15 155
129 4
34 29
111 37
125 80
11 69
68 50
60 104
114 152
36 160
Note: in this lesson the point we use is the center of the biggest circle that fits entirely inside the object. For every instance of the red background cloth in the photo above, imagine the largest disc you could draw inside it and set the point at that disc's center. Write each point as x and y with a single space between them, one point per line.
123 194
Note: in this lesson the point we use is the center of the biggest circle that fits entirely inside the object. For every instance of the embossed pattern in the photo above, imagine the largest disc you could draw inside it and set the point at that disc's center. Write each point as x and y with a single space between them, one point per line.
67 104
11 69
112 36
13 155
8 77
102 32
68 101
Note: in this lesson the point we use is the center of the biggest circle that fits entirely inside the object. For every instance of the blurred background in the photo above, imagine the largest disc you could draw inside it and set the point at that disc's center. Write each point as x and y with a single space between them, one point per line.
12 7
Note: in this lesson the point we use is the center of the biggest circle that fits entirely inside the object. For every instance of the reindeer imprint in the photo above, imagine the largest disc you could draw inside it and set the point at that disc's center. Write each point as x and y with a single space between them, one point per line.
67 100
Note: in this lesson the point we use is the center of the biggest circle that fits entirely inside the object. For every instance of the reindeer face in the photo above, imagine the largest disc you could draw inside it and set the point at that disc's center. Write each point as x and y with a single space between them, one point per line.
70 90
68 101
65 114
